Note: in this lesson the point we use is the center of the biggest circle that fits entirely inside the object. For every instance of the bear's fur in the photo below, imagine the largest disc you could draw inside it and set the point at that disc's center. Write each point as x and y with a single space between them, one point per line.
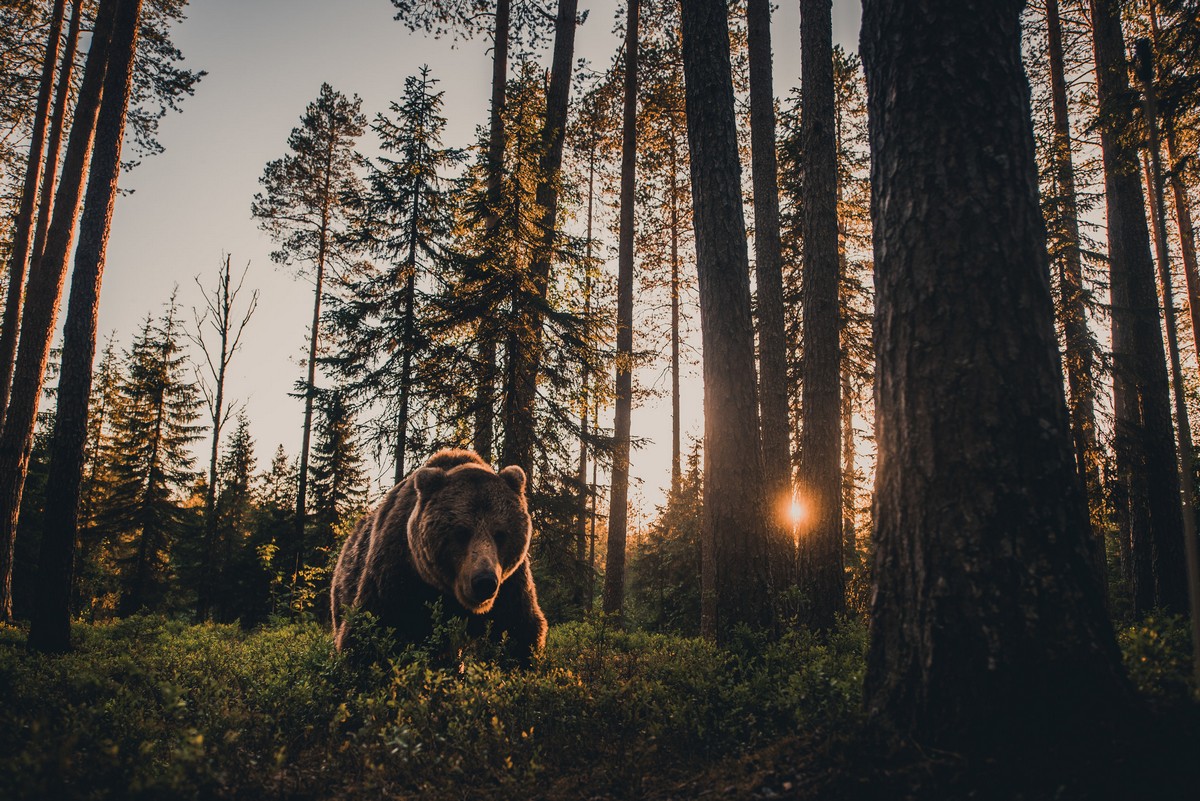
453 530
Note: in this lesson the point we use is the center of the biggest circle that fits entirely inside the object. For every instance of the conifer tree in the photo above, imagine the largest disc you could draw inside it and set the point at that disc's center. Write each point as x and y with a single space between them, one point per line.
50 627
1143 442
821 569
405 217
988 627
735 569
304 206
339 475
154 467
618 510
237 574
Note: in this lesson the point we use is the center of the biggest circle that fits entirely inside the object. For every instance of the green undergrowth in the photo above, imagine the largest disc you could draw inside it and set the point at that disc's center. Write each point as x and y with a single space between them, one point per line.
152 708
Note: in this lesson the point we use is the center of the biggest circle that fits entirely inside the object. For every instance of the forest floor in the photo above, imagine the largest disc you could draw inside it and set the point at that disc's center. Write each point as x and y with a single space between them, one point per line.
149 708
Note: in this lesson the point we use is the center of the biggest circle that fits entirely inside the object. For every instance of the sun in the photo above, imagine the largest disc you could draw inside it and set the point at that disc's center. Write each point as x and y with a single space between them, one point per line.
796 511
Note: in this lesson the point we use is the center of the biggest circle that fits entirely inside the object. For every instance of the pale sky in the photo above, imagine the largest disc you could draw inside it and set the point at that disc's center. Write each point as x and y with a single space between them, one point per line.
266 60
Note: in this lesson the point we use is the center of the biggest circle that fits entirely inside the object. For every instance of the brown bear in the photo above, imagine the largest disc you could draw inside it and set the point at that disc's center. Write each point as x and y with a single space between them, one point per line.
454 530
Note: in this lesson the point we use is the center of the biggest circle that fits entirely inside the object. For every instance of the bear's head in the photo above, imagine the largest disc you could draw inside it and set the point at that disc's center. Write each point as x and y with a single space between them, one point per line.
469 530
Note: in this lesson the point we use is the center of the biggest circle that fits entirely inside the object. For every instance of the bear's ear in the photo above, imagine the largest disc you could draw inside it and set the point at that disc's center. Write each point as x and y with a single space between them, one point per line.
514 476
429 480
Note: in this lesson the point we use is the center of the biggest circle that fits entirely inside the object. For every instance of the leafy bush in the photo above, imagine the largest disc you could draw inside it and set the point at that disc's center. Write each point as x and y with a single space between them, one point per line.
149 708
1158 656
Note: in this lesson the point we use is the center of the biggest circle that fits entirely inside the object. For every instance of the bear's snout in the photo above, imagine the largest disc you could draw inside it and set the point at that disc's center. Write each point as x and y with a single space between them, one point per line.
483 585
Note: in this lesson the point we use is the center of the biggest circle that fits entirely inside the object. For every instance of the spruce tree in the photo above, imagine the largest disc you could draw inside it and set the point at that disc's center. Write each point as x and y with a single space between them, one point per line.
153 467
339 476
405 217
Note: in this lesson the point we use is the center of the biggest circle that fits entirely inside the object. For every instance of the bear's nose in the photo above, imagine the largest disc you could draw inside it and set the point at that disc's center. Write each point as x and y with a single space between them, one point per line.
483 585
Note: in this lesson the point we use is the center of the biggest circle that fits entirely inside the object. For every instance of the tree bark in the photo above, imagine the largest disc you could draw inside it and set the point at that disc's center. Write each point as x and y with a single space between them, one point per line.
988 625
22 234
1143 437
768 271
1154 181
1080 362
62 99
526 357
42 301
49 629
821 559
618 513
485 395
735 568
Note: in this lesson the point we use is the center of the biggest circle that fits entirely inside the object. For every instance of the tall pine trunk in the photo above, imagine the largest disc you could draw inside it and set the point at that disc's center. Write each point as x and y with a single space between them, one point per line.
1072 311
1183 211
50 626
988 624
768 271
735 553
22 234
618 512
821 555
485 391
1158 217
525 343
1143 437
42 301
676 423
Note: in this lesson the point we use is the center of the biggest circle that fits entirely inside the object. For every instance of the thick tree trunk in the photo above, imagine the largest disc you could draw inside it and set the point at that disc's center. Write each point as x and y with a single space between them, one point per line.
485 392
988 624
22 234
618 512
50 626
1079 358
768 270
735 554
821 569
525 359
1154 181
42 302
1143 437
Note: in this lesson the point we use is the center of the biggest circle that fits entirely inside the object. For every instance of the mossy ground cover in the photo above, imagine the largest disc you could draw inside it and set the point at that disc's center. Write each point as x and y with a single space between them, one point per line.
149 708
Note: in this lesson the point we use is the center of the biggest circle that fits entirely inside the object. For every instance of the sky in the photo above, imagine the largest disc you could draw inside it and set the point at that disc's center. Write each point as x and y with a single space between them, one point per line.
265 61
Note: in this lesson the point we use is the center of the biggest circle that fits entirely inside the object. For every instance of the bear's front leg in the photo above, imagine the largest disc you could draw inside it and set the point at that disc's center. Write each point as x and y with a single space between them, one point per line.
517 614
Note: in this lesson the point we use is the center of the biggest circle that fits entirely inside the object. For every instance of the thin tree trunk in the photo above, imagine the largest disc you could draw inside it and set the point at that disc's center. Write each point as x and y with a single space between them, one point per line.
22 233
1144 440
1183 211
42 302
1154 180
618 514
49 629
309 396
988 626
485 396
768 270
735 540
848 486
585 377
62 99
525 359
821 568
676 423
1079 356
410 324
